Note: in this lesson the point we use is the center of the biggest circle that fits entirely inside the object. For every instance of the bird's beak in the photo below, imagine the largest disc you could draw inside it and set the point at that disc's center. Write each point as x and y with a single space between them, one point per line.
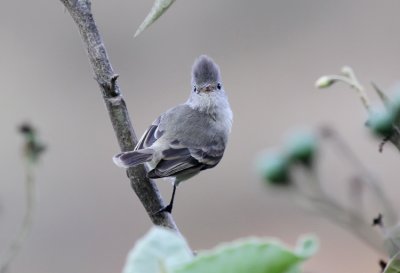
207 88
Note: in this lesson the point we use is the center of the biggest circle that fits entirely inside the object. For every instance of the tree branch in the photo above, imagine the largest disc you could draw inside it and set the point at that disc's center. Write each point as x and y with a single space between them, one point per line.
144 188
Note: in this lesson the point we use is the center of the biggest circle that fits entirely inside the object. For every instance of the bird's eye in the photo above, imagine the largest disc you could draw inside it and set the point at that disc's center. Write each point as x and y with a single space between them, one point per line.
194 89
219 86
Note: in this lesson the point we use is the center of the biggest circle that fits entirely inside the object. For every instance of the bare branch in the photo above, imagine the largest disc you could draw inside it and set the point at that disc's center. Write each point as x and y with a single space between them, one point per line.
144 188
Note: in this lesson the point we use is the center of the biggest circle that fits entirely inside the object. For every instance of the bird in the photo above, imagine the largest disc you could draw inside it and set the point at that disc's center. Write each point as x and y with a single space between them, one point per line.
188 138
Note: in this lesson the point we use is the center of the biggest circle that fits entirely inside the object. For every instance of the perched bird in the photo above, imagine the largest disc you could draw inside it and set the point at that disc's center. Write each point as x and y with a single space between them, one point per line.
190 137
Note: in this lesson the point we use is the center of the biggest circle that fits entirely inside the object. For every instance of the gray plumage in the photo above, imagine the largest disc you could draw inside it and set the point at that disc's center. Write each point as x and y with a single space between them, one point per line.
205 71
190 137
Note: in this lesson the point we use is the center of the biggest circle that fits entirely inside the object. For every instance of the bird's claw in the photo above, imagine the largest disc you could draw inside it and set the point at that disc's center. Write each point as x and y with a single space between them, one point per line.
167 208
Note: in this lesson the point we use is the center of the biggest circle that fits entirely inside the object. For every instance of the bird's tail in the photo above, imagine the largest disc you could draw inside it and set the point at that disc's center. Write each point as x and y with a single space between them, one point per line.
133 158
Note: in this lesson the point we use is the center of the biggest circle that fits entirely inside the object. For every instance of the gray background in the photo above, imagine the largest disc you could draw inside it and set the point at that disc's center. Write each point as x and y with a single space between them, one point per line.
270 54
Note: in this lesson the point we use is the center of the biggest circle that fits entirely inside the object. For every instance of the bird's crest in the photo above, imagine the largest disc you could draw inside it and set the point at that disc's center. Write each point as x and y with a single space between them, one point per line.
204 71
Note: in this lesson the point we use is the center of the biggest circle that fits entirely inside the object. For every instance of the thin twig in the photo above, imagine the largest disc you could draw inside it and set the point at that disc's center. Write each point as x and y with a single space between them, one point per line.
144 188
356 85
319 201
26 225
366 176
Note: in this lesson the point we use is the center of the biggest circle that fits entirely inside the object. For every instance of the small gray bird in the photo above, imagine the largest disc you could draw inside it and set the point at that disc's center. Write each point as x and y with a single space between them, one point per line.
190 137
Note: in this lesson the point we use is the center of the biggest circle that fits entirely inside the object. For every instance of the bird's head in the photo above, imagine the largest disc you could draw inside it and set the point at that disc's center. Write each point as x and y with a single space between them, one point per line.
206 77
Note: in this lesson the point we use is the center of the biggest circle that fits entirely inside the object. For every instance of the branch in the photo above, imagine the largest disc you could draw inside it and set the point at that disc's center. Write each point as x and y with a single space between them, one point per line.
144 188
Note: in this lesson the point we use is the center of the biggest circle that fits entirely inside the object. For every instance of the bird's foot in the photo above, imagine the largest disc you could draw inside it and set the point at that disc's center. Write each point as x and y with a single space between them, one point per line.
167 208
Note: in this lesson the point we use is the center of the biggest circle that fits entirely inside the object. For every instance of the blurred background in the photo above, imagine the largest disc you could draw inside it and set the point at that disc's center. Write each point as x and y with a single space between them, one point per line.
270 54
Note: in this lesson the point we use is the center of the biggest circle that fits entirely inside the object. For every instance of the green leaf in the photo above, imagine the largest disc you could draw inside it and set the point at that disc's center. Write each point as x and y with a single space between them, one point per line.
302 147
393 265
159 250
274 167
252 255
381 122
159 7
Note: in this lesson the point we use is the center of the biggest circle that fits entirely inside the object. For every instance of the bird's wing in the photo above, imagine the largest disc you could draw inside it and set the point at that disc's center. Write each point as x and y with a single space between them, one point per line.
183 151
151 135
185 160
142 153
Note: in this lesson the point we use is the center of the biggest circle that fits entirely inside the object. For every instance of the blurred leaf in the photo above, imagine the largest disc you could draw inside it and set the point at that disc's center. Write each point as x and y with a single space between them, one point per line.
164 251
157 251
274 167
381 122
325 81
252 255
393 265
381 95
159 7
348 72
394 107
392 240
307 246
301 147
